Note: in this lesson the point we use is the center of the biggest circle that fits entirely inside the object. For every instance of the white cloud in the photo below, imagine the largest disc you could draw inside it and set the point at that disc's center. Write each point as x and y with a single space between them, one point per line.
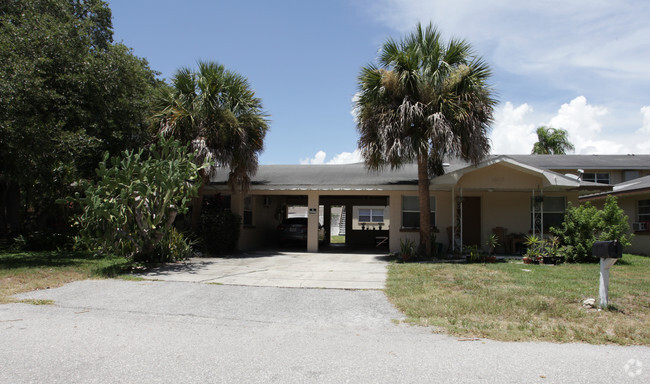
511 134
347 158
341 158
514 129
319 158
583 123
645 127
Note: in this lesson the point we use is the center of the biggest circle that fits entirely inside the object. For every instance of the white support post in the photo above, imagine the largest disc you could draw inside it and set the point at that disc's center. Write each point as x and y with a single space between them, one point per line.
541 215
605 264
533 211
312 221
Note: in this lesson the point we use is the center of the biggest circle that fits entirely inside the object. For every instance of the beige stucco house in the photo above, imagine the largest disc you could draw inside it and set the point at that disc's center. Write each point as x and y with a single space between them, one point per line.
511 195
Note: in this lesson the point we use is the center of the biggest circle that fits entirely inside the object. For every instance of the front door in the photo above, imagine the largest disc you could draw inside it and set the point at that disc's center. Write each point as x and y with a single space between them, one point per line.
472 221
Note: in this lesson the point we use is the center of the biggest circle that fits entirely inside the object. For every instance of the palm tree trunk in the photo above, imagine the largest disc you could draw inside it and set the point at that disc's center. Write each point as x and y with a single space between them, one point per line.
425 205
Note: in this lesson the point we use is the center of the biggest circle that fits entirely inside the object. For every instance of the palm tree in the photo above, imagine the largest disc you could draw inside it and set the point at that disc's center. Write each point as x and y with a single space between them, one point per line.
216 111
427 100
551 141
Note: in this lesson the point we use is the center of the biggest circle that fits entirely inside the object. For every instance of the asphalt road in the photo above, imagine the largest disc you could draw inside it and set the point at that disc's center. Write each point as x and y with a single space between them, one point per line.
175 332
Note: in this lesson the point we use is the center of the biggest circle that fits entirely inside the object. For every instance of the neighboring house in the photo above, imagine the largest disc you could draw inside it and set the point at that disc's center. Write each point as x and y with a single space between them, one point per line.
634 198
511 195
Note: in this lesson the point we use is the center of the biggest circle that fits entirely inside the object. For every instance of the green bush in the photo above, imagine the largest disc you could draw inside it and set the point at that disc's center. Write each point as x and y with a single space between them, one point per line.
130 210
220 231
173 247
585 224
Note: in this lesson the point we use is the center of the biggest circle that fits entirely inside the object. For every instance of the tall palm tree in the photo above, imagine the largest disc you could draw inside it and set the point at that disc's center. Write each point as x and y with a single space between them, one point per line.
552 141
426 100
216 111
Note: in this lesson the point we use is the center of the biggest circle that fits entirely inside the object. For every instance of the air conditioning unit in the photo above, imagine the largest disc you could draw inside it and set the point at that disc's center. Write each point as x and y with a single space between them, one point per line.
640 226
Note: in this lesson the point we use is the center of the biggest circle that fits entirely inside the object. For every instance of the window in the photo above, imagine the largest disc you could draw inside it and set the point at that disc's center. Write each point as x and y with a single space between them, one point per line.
644 210
371 215
248 211
367 217
411 211
554 208
602 178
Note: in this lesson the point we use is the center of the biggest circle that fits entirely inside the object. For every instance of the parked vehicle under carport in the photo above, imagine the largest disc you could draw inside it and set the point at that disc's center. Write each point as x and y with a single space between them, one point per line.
294 231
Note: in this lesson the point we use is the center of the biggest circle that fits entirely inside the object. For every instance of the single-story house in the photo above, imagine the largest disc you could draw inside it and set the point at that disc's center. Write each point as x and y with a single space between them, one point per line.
509 195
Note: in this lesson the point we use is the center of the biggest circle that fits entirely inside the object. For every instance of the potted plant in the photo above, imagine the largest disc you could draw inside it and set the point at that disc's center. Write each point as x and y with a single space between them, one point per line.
492 242
406 250
534 249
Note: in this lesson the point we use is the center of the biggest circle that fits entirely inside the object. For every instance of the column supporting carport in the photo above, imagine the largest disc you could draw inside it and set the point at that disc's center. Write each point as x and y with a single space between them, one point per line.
312 221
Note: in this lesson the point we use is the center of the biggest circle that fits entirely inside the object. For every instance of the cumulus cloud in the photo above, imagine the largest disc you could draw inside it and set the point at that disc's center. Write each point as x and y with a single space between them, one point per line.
319 158
511 133
584 124
514 129
341 158
645 127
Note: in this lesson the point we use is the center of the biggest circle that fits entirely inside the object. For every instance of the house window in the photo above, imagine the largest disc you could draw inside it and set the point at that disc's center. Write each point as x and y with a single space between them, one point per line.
644 210
411 212
248 211
554 208
371 215
602 178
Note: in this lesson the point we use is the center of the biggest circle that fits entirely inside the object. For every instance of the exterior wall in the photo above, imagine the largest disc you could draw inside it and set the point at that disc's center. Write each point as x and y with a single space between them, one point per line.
261 233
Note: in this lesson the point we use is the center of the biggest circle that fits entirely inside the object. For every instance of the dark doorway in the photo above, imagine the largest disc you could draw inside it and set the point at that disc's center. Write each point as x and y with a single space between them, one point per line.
472 221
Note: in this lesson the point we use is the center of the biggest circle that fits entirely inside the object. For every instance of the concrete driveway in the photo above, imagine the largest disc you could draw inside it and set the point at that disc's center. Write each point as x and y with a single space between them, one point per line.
281 269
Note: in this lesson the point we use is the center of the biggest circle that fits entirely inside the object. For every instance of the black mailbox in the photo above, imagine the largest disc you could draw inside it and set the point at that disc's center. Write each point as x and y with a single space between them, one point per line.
607 249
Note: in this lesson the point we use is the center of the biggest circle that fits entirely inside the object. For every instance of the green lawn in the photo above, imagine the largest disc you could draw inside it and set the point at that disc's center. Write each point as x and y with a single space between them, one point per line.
27 271
513 301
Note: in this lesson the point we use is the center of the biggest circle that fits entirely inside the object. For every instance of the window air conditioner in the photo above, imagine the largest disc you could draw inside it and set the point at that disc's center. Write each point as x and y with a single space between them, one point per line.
640 226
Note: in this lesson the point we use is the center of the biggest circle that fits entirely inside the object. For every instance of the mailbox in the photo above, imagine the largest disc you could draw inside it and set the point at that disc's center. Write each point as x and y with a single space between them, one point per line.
607 249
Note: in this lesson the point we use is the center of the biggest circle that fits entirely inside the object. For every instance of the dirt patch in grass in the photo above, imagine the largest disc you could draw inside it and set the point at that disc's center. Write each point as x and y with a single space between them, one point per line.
517 302
28 271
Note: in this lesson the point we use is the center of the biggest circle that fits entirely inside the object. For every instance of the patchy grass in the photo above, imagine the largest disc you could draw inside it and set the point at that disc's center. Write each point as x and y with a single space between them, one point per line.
507 302
28 271
337 240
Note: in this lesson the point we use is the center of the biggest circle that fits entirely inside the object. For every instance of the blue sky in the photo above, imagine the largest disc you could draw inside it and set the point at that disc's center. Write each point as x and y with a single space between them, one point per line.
582 65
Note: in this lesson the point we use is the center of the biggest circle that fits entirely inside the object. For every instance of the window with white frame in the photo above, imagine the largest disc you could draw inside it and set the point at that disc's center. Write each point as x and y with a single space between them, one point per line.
644 210
411 212
371 215
554 209
602 178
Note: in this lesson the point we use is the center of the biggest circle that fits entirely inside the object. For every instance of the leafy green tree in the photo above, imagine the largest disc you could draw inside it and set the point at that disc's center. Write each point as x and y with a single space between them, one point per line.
130 210
67 94
552 141
216 111
585 224
426 100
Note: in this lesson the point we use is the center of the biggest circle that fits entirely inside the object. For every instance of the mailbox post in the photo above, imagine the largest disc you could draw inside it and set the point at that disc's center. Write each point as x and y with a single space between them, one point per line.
609 252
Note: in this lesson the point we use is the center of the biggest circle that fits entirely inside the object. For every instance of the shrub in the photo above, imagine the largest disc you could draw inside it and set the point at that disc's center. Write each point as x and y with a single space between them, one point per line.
130 210
585 224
